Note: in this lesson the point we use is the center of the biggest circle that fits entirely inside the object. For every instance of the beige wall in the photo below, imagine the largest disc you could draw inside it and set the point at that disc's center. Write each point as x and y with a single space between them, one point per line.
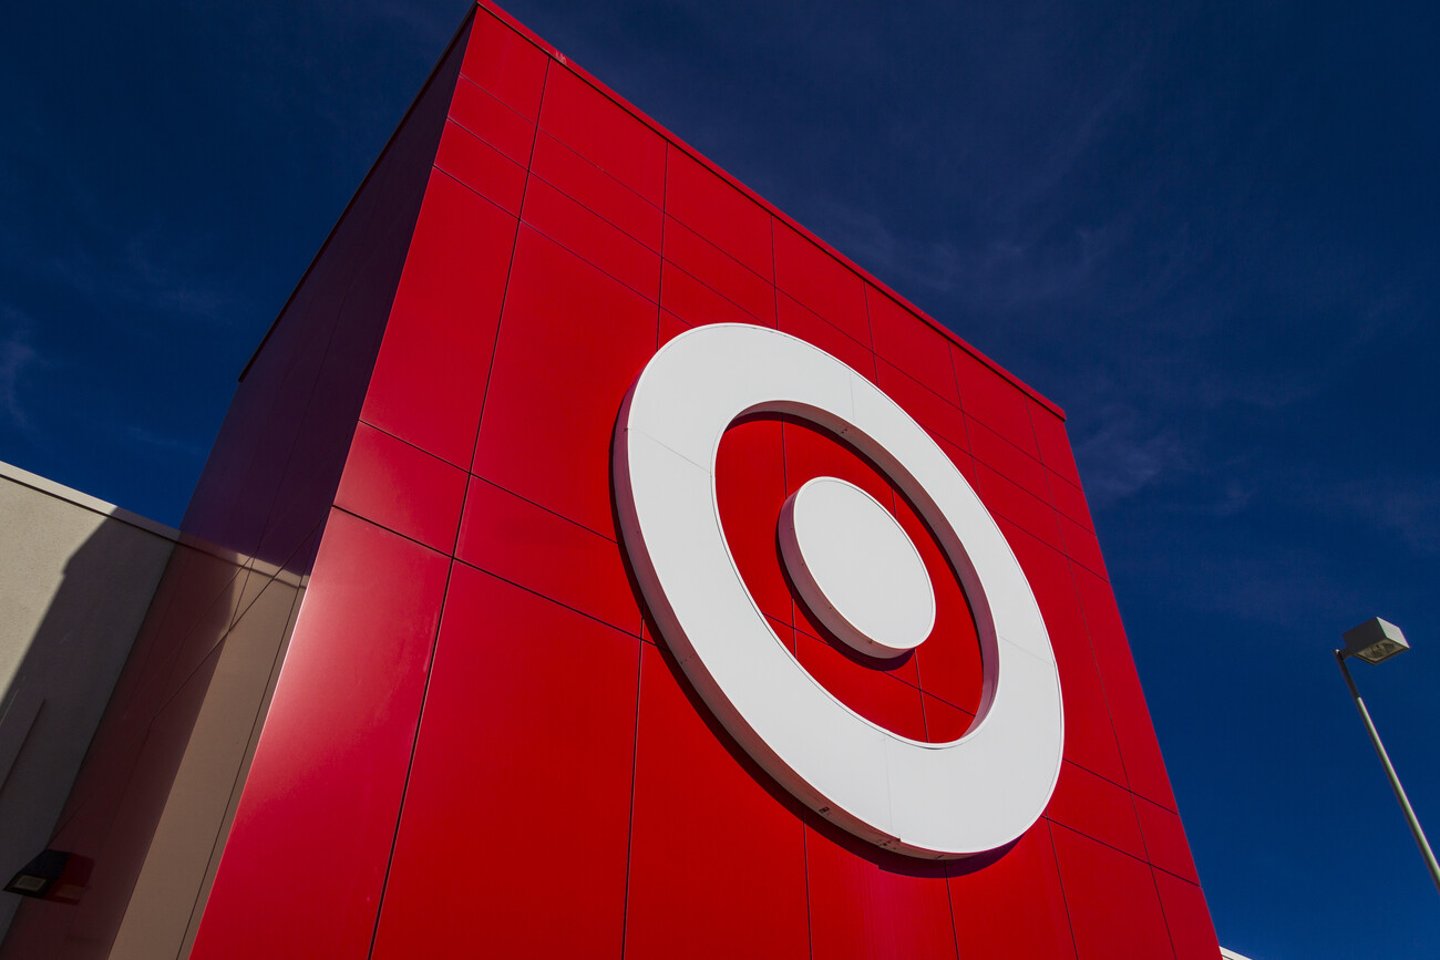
149 810
76 579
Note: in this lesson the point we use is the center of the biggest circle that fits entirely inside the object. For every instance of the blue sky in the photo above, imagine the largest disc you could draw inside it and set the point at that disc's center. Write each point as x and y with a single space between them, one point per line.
1206 229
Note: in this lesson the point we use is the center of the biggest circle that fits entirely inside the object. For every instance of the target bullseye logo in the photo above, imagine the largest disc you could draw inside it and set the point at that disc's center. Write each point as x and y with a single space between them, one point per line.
858 571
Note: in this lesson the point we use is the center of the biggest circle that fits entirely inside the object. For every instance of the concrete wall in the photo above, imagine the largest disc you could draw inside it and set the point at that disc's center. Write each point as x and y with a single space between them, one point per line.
76 578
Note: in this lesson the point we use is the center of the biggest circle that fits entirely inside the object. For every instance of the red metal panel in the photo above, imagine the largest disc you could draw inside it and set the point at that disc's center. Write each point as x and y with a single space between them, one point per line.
821 282
1012 906
1114 909
800 321
704 202
1097 808
587 184
1008 460
603 132
544 552
936 415
991 398
1191 931
429 380
1082 545
911 345
717 855
869 905
514 833
402 488
586 234
252 507
481 167
811 452
720 272
1053 443
1165 839
1068 499
506 64
328 774
570 346
1008 501
670 327
490 119
693 303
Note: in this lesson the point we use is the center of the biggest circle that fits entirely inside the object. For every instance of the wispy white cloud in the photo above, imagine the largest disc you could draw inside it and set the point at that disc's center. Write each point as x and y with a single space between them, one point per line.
1047 268
1407 507
17 357
1232 498
1128 453
165 442
1258 589
111 265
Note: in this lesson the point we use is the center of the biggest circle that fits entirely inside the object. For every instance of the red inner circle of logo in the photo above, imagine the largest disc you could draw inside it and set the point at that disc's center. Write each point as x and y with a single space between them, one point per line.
929 694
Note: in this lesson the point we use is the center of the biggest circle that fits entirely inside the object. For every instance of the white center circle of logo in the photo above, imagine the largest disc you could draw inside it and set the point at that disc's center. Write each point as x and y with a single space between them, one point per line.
944 800
855 568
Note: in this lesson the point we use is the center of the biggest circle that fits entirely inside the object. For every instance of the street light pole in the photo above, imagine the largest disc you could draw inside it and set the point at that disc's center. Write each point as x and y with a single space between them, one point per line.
1373 642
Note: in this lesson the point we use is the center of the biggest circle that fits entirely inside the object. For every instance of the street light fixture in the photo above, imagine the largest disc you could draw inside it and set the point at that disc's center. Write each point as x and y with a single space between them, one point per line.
1375 641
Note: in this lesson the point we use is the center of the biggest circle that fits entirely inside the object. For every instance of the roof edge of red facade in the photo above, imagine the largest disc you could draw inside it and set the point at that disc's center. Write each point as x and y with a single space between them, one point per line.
505 17
456 37
600 86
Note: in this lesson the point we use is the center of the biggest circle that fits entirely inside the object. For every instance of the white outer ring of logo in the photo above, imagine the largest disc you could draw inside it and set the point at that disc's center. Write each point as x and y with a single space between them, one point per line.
939 800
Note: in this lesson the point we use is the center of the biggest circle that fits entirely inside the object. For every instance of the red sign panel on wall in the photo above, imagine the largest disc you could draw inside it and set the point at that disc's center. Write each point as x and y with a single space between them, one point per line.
585 667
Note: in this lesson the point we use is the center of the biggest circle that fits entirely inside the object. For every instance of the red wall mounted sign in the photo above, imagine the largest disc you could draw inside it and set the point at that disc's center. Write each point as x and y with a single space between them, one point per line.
479 743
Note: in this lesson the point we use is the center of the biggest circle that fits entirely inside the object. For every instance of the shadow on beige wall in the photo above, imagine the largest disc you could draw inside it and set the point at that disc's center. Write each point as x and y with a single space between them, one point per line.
76 579
194 637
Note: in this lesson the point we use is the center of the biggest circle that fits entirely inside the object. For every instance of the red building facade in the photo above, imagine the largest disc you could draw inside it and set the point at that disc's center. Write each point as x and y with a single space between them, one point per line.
473 738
